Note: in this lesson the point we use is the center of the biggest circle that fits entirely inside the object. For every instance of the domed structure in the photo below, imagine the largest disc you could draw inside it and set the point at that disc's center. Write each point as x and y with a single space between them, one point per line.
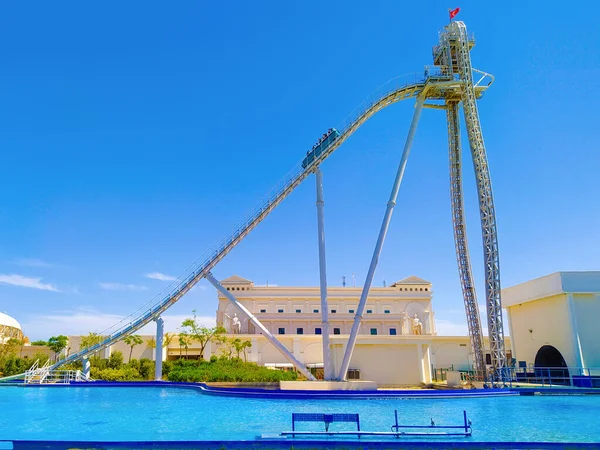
9 328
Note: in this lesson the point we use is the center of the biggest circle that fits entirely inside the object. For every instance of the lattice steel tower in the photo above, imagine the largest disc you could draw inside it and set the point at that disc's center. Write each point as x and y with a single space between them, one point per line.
452 54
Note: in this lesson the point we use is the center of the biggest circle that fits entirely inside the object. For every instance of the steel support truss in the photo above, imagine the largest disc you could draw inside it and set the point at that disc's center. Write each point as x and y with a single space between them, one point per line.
461 243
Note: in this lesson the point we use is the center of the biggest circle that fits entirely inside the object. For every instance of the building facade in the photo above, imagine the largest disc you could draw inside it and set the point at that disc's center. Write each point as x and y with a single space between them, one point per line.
397 343
553 321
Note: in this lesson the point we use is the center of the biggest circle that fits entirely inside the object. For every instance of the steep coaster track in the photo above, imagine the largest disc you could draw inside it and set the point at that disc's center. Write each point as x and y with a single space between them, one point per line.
393 95
450 82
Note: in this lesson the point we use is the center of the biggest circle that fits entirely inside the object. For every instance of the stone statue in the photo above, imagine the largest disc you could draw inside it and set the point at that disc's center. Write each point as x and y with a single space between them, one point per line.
417 326
236 325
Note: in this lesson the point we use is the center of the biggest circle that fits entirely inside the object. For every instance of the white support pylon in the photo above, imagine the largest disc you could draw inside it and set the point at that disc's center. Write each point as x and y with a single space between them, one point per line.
382 233
252 318
158 351
328 373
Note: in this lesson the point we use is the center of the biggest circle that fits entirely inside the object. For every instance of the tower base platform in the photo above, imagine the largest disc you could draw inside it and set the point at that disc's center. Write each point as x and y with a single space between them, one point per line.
353 385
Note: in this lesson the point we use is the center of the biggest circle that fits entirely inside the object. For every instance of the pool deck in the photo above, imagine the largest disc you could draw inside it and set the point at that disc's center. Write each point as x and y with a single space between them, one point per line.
320 394
292 394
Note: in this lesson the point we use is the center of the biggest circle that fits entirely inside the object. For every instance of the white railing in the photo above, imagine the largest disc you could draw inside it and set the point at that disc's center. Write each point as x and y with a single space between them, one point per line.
556 376
55 377
36 374
32 372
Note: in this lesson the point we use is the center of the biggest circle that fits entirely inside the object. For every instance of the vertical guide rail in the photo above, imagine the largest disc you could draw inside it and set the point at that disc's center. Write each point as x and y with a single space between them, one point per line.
461 243
486 206
252 318
327 363
382 233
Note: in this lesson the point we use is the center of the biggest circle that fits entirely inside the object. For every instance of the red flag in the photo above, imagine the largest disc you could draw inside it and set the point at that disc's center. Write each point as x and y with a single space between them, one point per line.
453 13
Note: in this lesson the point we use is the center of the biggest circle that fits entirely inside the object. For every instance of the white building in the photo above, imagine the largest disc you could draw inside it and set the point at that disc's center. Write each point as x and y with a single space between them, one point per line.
553 321
9 328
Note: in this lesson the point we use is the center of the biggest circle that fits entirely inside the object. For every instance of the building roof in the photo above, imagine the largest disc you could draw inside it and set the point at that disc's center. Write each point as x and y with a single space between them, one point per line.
550 285
236 280
411 280
6 320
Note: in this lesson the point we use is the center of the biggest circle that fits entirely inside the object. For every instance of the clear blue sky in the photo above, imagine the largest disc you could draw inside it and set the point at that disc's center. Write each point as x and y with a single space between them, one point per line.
134 135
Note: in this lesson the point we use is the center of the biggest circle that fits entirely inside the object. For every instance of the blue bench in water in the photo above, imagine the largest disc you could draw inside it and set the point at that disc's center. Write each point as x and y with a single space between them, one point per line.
327 419
397 430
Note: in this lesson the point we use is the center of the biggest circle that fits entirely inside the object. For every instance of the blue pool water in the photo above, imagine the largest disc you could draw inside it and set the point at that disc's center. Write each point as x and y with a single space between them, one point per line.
161 414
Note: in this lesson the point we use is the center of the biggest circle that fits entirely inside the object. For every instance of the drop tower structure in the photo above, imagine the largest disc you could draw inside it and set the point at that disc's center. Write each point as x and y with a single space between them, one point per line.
452 54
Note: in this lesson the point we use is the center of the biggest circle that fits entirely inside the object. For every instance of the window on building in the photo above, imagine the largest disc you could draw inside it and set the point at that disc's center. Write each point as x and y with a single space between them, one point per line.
369 311
299 330
281 331
336 331
462 345
351 311
488 358
353 374
280 310
316 311
373 331
317 331
333 311
393 332
386 311
263 310
298 310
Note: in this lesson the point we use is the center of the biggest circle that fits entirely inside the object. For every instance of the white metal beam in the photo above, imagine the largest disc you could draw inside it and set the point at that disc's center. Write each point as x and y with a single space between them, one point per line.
382 233
328 372
265 331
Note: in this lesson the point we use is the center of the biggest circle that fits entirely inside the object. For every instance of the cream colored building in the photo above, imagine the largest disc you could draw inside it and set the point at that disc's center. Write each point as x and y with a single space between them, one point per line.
392 348
553 321
397 345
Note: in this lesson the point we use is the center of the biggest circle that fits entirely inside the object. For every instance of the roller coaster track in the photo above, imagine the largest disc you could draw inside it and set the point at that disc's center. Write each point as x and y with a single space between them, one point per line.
392 92
449 84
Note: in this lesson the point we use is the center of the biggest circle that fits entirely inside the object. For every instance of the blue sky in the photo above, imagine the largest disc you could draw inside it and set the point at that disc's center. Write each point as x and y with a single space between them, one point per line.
135 135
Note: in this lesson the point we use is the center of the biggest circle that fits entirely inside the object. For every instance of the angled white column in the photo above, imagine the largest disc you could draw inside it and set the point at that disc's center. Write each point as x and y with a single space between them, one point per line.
379 245
158 351
272 339
327 365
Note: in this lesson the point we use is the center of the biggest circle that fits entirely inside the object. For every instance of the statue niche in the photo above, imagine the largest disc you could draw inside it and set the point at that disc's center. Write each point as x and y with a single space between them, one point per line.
417 326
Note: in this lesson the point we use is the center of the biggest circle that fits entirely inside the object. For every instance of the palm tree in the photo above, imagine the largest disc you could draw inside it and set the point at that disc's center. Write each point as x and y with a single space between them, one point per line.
132 341
241 346
184 341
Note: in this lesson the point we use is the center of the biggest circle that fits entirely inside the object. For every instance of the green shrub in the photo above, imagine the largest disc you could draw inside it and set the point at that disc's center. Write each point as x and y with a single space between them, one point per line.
225 370
146 369
116 360
99 363
166 368
123 374
134 363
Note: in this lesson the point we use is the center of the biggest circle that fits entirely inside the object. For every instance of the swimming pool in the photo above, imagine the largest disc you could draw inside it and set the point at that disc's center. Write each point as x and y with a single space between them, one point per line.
173 414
